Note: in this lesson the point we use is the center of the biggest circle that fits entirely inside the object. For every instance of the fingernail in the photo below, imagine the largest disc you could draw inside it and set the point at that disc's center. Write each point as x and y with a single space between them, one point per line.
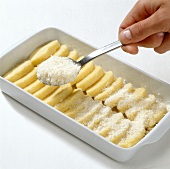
127 34
160 34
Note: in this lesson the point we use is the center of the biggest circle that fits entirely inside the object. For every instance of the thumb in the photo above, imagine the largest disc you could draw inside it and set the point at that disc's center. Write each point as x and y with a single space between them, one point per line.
143 29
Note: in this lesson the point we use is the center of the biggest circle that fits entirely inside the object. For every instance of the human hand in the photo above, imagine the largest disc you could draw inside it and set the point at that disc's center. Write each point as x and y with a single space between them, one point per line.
147 25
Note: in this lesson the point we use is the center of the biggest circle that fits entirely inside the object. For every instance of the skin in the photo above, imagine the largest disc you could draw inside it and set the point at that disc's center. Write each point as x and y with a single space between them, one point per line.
147 25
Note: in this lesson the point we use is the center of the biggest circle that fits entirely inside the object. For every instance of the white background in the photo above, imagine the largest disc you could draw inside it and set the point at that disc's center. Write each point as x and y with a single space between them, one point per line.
27 141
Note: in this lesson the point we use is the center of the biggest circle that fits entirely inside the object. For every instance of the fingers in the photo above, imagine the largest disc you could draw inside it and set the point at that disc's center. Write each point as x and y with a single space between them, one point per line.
145 26
152 41
134 16
132 49
142 29
145 19
165 46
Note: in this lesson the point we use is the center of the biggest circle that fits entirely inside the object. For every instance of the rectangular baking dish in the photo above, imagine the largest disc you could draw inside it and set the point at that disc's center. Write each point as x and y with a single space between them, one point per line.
138 78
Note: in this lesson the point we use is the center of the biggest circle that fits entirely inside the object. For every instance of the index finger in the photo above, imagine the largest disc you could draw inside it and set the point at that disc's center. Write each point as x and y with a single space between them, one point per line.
141 10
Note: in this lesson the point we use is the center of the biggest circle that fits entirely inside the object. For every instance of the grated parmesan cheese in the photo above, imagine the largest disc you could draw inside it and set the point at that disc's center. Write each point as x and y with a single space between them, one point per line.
57 71
168 106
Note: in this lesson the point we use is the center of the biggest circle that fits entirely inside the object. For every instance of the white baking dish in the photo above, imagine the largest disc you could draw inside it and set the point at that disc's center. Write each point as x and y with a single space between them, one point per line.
138 78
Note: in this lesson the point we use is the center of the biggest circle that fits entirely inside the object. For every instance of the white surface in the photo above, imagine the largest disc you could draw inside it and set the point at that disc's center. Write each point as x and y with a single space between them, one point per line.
27 140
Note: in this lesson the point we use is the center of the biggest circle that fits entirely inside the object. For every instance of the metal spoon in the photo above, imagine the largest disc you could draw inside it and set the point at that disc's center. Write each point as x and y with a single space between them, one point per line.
56 80
99 52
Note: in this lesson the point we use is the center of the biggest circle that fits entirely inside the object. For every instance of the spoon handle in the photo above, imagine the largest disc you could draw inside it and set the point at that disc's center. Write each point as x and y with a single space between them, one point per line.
101 51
